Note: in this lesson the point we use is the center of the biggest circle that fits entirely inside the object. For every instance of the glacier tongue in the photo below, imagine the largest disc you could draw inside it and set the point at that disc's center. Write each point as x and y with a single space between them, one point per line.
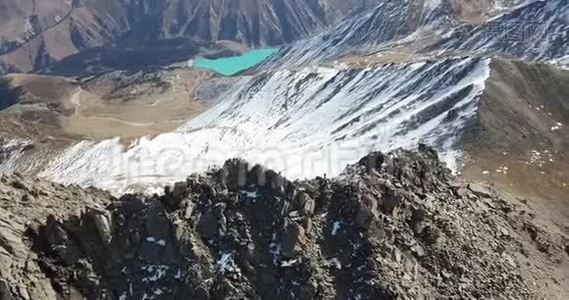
304 123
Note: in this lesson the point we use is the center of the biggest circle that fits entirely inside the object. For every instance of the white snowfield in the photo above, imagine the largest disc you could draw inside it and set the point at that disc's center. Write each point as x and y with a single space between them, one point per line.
303 123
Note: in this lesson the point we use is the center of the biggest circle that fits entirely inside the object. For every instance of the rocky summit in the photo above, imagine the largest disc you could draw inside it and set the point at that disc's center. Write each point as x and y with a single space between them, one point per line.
396 225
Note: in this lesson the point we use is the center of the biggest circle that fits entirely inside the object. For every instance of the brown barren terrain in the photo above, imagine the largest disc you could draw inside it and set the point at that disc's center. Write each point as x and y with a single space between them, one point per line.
522 142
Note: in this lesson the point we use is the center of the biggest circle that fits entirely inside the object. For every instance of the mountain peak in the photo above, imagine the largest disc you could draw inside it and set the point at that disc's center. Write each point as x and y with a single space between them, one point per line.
247 232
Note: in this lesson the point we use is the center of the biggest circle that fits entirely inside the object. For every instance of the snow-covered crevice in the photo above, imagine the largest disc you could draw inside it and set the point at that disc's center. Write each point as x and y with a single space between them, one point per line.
304 123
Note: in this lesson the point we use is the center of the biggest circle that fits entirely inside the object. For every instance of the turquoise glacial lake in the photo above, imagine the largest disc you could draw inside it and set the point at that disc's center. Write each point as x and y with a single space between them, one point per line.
230 66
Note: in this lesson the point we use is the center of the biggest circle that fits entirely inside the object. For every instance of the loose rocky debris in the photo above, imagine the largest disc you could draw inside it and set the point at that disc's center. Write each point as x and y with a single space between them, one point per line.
391 226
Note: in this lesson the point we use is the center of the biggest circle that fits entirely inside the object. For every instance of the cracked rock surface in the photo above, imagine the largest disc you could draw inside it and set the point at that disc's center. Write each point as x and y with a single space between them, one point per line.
395 225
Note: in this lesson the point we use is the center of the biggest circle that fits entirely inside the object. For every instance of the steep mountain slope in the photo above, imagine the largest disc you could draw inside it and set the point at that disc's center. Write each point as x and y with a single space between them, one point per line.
489 119
392 226
33 37
25 203
22 20
372 30
535 31
303 123
309 121
521 137
389 226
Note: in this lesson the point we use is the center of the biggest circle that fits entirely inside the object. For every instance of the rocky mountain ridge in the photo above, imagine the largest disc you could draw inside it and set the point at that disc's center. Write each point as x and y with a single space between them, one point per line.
394 225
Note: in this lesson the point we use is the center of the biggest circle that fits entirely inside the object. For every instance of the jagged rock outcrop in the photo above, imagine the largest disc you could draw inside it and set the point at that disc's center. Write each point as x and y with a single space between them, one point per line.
26 204
395 225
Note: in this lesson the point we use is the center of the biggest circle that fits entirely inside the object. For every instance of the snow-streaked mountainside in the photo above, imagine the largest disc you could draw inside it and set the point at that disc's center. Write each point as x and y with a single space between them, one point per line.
11 151
537 30
299 117
304 123
34 35
534 30
388 22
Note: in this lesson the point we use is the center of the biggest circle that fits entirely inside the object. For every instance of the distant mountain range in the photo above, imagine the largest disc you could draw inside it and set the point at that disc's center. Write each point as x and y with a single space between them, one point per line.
35 34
